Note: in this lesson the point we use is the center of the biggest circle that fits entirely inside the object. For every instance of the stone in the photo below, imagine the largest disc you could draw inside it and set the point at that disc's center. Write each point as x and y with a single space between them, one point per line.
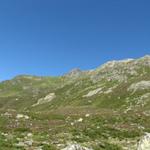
144 143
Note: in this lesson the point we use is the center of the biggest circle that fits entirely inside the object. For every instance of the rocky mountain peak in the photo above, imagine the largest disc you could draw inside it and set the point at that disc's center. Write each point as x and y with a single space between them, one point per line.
146 57
76 72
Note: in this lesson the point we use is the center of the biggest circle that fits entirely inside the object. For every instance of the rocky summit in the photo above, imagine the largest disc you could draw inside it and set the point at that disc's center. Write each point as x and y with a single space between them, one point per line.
107 108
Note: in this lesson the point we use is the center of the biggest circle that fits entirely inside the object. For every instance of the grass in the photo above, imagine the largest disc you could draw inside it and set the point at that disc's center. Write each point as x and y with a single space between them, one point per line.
108 126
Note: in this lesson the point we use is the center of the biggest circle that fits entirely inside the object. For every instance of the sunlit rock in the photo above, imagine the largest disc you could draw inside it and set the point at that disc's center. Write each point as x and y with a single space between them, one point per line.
144 143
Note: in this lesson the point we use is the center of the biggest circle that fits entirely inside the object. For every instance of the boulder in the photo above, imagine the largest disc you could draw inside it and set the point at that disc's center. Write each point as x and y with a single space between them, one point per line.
144 143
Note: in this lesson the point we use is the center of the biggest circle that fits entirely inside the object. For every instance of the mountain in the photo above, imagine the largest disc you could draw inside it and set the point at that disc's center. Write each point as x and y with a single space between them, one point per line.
102 109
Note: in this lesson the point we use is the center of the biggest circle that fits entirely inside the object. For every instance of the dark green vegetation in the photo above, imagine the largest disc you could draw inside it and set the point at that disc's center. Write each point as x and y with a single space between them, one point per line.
103 109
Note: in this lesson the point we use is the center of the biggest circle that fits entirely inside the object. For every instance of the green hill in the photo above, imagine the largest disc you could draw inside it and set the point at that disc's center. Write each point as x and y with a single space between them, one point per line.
103 109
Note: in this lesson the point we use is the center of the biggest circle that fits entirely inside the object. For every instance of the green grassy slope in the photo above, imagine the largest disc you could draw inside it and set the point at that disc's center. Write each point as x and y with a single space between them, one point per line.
104 109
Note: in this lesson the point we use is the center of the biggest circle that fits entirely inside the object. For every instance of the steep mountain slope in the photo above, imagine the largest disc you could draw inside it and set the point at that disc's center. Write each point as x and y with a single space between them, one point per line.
106 108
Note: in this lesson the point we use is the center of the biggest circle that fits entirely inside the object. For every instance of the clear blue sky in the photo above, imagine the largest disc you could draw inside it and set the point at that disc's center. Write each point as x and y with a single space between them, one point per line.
50 37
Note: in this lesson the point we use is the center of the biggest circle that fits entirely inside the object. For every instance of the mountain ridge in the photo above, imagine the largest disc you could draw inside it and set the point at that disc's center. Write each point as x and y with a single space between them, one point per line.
106 108
74 70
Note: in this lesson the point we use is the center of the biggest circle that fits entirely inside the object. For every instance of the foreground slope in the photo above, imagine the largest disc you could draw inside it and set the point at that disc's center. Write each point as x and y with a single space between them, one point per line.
106 108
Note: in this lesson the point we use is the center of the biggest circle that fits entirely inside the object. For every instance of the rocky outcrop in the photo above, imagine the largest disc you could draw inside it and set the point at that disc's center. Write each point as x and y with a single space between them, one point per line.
74 73
142 85
46 99
93 92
